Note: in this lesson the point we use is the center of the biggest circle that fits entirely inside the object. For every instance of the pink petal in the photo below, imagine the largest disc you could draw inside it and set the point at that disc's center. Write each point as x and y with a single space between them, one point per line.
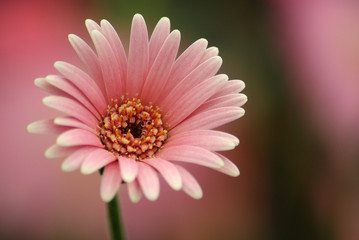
232 86
73 91
56 151
190 154
184 105
168 171
209 119
45 127
208 139
97 160
185 64
109 66
200 74
161 67
128 168
72 122
78 137
229 168
89 59
111 35
137 66
92 25
134 191
210 52
72 108
81 80
149 182
75 160
190 184
230 100
158 37
44 85
110 182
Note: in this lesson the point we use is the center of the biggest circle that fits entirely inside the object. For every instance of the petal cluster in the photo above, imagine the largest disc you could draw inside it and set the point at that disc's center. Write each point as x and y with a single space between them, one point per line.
183 98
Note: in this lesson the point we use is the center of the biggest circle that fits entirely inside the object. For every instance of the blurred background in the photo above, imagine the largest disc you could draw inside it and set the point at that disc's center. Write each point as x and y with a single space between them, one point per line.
299 148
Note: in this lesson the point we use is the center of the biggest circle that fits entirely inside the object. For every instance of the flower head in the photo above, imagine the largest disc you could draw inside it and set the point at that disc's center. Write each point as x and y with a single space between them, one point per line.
135 117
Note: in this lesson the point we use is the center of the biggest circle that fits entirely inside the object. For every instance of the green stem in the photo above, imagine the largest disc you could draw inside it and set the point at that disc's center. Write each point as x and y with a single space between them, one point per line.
114 219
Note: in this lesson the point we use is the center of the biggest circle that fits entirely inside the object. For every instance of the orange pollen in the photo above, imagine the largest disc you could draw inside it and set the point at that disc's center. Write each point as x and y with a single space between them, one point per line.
132 130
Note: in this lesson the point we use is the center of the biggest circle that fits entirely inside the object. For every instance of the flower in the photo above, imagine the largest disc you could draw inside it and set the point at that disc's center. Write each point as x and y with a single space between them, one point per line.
134 117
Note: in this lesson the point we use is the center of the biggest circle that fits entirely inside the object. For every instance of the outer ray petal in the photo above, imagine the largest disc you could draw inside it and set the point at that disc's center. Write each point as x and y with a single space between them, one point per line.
78 137
110 33
97 160
128 169
190 184
158 37
200 74
185 64
69 88
229 168
138 56
72 122
209 53
149 182
72 108
134 191
168 171
209 119
208 139
232 86
75 160
88 58
191 154
110 182
92 25
81 80
44 85
158 74
187 102
109 66
230 100
56 151
46 127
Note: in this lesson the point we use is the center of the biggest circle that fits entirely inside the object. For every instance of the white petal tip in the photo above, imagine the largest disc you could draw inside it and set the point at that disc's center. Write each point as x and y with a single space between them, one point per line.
86 171
38 82
128 178
49 153
235 174
197 196
176 32
65 168
152 197
177 186
138 16
135 199
31 127
104 21
71 37
107 197
241 112
164 19
89 21
95 33
203 40
61 141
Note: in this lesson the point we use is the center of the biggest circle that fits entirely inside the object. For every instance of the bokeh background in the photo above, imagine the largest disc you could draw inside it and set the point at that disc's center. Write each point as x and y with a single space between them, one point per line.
298 155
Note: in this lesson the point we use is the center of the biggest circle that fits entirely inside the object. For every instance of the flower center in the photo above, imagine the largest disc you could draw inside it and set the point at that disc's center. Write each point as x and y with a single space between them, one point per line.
132 130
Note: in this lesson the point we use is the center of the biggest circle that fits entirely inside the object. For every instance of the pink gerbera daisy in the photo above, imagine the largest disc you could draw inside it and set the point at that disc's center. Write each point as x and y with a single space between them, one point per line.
133 118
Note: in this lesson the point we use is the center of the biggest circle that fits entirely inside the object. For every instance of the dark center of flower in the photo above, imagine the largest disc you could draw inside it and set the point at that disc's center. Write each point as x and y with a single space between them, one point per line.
132 130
